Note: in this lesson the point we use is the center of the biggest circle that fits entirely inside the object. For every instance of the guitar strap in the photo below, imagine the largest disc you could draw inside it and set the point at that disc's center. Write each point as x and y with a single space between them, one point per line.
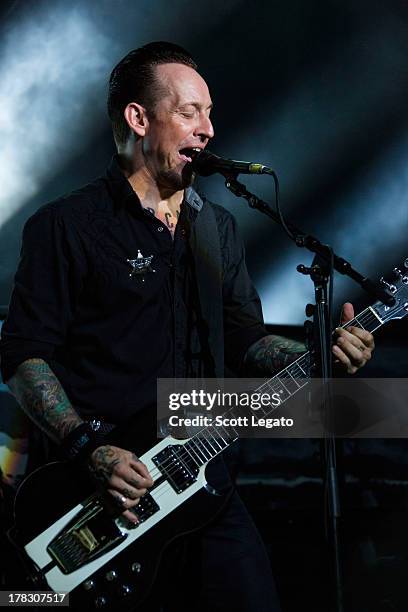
206 249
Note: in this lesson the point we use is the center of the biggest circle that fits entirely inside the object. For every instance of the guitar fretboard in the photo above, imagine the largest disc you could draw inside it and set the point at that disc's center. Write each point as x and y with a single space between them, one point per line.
212 440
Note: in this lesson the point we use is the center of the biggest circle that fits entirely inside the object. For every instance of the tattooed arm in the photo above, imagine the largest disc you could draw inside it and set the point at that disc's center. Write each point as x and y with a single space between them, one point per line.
271 354
40 394
352 348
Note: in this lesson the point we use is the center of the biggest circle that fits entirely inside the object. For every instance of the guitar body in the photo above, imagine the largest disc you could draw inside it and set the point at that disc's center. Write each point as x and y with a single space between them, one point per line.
73 543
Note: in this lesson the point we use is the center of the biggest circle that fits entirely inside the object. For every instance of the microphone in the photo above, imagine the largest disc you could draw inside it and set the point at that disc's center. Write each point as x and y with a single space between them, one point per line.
206 163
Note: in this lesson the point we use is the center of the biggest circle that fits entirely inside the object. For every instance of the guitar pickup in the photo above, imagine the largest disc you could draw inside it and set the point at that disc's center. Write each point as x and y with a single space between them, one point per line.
177 467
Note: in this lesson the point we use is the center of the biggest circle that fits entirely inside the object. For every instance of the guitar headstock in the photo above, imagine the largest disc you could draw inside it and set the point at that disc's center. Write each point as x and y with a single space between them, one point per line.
397 286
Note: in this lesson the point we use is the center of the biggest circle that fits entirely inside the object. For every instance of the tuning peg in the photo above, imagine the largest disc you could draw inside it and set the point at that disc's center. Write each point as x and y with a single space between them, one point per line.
406 263
390 287
397 273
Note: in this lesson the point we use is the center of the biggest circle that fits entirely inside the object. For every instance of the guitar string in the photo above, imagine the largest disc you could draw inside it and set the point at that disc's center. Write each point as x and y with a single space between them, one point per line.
211 441
364 317
165 486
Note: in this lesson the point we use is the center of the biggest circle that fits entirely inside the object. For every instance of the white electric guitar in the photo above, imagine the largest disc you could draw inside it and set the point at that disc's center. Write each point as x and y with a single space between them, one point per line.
71 543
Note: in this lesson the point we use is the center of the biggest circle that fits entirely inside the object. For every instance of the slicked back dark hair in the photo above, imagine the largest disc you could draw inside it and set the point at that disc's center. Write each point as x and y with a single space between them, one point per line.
134 80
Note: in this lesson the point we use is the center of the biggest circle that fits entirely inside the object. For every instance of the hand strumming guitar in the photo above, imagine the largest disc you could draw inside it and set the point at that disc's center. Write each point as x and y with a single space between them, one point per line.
122 475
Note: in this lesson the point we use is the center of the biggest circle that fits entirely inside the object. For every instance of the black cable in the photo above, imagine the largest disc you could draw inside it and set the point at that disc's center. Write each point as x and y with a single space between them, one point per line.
277 203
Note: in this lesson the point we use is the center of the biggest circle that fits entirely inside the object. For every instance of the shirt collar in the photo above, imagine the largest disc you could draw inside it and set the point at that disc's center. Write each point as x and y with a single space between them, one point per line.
123 193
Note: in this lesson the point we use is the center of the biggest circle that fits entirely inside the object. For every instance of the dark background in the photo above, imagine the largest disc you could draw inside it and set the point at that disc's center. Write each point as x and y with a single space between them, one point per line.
316 90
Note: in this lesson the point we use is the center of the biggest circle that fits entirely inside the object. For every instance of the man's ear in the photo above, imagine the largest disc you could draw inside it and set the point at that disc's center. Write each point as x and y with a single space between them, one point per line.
136 118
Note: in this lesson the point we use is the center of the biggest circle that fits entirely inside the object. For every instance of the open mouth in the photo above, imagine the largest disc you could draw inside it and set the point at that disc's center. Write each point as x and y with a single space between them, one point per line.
188 154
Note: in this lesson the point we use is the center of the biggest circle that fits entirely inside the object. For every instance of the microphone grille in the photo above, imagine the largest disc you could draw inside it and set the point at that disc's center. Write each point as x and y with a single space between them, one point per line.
202 163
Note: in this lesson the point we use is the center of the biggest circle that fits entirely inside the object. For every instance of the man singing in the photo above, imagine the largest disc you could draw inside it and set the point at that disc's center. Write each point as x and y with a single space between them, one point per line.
135 277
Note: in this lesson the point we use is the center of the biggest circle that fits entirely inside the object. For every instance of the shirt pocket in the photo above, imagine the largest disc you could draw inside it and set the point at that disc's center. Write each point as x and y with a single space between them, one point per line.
120 277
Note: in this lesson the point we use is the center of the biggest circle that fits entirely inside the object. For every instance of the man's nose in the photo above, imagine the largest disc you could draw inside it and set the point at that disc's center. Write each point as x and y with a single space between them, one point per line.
205 128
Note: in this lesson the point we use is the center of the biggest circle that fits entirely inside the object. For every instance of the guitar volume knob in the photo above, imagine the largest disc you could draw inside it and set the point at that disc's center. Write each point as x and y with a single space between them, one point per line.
89 585
100 601
111 575
136 567
124 590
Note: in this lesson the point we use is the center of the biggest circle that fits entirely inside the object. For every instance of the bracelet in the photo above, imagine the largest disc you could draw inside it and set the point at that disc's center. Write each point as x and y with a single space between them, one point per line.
81 442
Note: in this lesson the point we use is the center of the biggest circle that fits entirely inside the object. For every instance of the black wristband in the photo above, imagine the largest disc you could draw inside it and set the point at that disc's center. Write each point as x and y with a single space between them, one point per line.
81 442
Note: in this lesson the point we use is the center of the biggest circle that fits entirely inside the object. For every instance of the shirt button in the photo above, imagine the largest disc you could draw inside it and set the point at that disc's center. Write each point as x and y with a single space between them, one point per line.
160 228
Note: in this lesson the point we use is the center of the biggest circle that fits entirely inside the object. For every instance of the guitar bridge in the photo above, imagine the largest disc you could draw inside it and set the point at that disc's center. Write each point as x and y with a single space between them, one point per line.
89 535
146 507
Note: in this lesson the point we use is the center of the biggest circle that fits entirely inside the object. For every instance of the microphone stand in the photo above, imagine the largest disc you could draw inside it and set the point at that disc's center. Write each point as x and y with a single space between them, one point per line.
310 242
320 272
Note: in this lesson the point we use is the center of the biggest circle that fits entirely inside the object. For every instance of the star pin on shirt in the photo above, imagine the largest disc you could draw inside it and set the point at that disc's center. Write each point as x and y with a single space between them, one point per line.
141 265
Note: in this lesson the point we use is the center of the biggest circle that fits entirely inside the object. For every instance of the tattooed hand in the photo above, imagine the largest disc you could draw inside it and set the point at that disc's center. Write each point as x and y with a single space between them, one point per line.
122 475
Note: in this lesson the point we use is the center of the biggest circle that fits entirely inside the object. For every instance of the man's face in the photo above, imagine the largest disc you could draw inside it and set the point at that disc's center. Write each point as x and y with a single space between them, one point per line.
180 121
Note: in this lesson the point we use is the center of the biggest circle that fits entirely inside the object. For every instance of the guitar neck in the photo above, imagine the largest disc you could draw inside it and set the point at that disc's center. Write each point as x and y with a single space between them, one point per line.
212 440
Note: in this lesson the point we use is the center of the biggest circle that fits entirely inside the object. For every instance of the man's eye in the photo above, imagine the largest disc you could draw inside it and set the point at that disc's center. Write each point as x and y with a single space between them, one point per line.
187 111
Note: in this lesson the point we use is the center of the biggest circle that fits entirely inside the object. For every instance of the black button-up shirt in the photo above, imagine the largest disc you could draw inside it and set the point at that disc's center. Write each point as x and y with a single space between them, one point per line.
109 331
